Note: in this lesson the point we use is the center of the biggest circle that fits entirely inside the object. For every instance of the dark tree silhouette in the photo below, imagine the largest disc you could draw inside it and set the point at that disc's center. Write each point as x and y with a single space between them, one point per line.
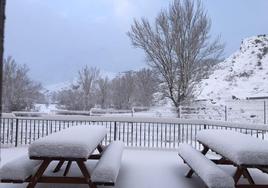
2 29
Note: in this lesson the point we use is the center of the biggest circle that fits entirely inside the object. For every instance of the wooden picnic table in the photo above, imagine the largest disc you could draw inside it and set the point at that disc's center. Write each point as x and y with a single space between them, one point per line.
237 149
76 144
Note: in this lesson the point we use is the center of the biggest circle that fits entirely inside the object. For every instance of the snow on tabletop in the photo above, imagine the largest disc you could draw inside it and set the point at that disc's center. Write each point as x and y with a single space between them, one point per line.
238 147
108 166
74 142
19 168
208 171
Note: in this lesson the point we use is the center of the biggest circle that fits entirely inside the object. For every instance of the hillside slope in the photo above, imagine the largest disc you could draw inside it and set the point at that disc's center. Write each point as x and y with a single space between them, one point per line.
243 74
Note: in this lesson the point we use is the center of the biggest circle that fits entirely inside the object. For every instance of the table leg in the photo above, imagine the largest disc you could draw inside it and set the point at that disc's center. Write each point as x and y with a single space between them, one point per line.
205 150
238 174
243 171
85 173
67 168
100 148
39 173
248 176
189 174
58 167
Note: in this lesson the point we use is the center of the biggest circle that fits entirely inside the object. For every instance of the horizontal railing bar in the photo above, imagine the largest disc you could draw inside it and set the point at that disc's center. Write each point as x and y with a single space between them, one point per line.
252 126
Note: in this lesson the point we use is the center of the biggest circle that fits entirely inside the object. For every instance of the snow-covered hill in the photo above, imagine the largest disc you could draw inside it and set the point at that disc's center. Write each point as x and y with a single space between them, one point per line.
243 74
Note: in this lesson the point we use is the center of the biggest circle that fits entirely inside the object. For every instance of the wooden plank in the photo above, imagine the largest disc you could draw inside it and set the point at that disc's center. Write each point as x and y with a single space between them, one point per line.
60 179
57 158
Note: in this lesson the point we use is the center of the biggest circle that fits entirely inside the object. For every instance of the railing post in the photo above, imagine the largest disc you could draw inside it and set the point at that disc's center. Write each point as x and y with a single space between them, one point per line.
225 113
17 133
264 112
179 111
115 130
132 111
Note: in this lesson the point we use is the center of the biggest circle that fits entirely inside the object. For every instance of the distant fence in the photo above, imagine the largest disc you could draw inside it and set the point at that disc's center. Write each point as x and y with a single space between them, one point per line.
135 132
254 111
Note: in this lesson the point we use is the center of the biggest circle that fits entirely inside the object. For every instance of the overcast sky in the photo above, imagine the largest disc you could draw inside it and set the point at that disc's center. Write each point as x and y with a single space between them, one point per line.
56 38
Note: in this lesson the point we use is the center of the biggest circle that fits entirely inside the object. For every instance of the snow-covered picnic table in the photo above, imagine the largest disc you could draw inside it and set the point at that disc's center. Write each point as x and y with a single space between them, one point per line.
240 148
75 144
237 149
234 148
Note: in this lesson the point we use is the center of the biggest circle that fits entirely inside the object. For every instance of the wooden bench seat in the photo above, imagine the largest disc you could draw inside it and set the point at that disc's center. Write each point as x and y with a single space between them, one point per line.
107 169
18 170
212 175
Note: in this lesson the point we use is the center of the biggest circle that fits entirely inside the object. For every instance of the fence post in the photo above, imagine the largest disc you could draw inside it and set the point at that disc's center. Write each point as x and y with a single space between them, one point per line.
132 111
17 133
179 111
115 130
264 112
225 113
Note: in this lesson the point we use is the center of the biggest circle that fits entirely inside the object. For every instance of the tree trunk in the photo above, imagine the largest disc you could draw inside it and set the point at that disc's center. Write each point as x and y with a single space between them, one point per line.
2 28
2 24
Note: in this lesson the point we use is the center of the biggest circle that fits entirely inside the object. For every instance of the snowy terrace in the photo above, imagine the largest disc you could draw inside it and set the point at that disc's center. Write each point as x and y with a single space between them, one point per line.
139 169
150 159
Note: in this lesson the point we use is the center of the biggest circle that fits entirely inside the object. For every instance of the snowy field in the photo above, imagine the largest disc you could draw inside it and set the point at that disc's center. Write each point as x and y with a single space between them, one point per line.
253 111
139 169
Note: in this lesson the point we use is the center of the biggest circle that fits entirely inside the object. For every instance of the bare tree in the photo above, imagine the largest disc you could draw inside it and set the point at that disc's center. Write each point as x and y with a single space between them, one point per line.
145 87
70 99
122 88
87 83
103 92
81 95
133 88
177 45
19 91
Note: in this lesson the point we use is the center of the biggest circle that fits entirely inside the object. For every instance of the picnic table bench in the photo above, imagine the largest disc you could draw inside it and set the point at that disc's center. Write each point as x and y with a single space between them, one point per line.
237 149
72 145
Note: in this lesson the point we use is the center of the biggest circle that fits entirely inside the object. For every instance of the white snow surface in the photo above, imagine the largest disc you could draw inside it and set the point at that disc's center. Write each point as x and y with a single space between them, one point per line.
209 172
74 142
243 74
107 168
238 147
19 168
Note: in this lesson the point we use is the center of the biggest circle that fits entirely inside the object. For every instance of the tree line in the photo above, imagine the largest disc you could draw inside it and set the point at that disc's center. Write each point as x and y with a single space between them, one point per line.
19 91
128 89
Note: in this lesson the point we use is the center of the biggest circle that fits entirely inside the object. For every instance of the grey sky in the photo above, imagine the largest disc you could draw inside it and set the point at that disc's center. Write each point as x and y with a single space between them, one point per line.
55 38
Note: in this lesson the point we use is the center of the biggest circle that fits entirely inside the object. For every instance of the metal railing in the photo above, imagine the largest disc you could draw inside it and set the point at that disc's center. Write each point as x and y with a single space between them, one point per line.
135 132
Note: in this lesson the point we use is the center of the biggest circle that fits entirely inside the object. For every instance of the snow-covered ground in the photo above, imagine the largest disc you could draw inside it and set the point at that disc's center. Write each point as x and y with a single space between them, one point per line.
140 169
242 110
243 74
254 111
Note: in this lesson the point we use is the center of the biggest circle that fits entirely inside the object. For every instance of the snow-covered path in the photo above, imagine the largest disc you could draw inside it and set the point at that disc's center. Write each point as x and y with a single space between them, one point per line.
140 169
